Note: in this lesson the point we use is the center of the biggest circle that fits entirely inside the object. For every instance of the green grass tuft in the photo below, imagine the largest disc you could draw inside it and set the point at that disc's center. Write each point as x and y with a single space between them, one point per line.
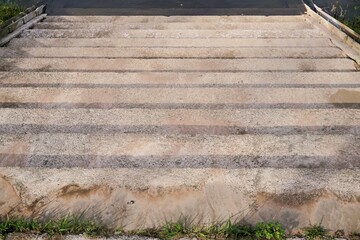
181 229
227 230
66 225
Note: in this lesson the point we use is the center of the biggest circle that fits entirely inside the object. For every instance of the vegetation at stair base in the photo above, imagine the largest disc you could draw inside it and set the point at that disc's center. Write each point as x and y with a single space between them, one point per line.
9 10
228 230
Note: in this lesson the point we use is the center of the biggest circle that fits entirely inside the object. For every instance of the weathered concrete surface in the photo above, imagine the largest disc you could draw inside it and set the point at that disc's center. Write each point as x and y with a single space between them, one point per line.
141 52
177 25
188 33
196 121
138 198
168 41
178 97
154 151
177 65
182 79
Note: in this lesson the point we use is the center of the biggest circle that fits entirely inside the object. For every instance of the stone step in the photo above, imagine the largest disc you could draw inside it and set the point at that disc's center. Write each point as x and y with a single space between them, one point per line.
177 65
179 97
189 33
177 26
181 151
169 42
172 79
160 52
170 19
151 197
181 121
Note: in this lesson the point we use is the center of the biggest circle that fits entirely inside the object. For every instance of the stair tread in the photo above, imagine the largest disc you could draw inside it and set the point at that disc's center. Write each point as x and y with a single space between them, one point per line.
177 26
178 52
189 33
178 79
179 96
120 150
168 42
177 65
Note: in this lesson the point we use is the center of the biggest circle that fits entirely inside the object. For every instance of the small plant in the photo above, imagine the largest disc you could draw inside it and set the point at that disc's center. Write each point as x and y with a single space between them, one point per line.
269 231
315 232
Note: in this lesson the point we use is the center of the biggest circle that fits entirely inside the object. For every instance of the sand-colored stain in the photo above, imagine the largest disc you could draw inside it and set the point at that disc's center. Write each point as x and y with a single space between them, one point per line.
345 96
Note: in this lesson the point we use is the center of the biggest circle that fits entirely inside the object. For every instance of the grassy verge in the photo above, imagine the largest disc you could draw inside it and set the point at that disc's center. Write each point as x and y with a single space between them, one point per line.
9 10
228 230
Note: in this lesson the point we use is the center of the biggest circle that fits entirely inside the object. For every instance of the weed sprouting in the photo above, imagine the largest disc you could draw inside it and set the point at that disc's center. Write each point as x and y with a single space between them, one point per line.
269 231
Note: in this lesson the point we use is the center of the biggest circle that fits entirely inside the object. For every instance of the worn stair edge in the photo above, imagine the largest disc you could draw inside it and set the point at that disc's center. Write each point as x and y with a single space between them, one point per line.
88 33
166 79
152 197
136 52
168 42
176 65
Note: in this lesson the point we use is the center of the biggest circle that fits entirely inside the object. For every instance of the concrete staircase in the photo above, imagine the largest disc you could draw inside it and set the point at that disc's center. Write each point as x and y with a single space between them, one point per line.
146 119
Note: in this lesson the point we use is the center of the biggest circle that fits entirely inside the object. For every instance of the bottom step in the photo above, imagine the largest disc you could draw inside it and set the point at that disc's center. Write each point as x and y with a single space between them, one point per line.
145 198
